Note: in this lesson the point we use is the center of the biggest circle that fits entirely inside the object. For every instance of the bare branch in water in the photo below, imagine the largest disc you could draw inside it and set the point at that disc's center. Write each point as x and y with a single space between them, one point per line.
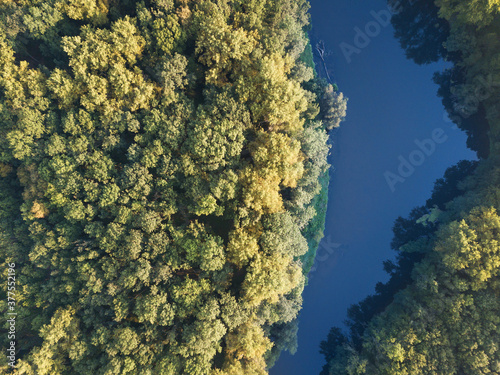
320 49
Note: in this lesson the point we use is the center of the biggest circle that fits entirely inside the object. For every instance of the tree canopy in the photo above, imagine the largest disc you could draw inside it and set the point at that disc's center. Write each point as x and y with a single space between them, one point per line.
464 33
152 154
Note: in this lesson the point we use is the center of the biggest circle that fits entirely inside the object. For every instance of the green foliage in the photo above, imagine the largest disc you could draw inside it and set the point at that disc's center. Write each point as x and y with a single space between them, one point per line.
166 31
334 107
422 38
159 164
465 33
477 12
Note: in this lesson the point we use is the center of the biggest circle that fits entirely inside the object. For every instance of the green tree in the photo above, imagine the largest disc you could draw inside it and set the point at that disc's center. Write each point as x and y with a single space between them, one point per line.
147 175
420 30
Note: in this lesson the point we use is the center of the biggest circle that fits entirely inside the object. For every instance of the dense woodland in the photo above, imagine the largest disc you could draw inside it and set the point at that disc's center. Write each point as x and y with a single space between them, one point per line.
439 313
163 169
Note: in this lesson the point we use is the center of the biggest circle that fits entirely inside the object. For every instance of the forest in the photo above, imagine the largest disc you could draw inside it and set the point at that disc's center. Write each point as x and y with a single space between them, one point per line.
439 311
163 172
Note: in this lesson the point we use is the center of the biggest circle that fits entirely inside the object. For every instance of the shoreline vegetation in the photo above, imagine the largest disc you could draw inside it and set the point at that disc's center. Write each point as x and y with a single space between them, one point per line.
163 183
315 229
439 311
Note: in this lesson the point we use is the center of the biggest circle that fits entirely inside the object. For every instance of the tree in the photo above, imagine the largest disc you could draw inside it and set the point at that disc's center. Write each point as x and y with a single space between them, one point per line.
478 12
333 107
146 177
273 99
420 30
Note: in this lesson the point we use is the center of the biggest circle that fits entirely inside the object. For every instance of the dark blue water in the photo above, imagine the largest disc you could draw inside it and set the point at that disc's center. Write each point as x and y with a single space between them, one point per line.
392 104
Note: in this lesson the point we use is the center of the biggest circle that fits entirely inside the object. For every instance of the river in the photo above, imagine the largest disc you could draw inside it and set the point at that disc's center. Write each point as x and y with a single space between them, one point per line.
392 108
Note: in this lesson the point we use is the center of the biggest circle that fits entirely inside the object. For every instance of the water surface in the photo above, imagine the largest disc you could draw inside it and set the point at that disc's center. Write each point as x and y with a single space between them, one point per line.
392 104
